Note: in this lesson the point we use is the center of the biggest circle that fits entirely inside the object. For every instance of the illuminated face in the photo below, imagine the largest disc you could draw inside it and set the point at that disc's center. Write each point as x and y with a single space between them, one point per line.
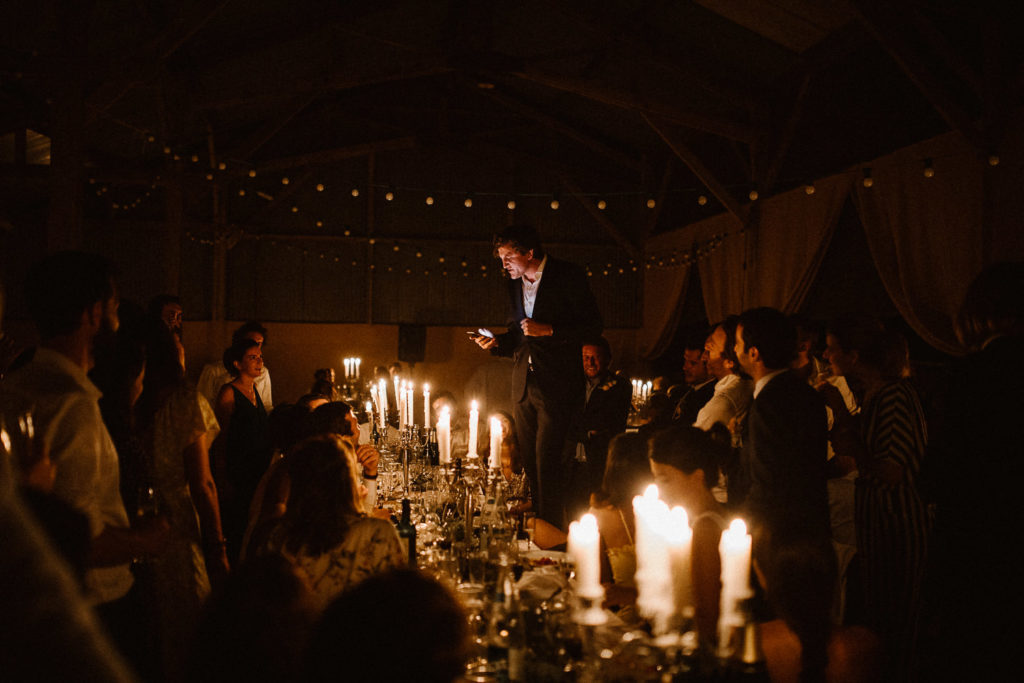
840 361
676 487
594 361
695 367
353 427
514 262
251 364
742 352
718 364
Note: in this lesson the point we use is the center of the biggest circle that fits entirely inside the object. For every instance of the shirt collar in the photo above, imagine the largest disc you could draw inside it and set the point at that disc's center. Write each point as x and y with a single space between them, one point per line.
58 361
539 273
764 380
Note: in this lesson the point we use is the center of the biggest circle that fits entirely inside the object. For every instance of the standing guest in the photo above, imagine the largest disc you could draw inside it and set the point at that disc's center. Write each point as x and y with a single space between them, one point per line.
733 390
700 383
888 444
781 477
167 309
551 312
73 301
215 376
603 415
972 475
325 530
178 426
244 447
685 462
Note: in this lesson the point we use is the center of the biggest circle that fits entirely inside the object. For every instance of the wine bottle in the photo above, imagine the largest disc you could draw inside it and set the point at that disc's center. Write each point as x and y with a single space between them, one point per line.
374 432
433 449
506 629
407 532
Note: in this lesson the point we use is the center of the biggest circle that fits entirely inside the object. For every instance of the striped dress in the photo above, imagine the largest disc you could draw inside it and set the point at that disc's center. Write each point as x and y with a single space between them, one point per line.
893 523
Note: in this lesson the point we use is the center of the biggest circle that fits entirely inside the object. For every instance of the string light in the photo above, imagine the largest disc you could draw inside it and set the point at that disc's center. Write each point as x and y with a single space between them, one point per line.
809 189
753 195
602 204
252 172
929 170
651 203
319 187
554 202
993 160
429 200
702 200
221 166
511 204
355 192
468 201
285 180
868 181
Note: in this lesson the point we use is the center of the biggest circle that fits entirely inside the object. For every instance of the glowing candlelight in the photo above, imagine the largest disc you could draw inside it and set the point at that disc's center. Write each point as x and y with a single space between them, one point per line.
426 404
444 436
348 367
734 549
584 547
494 460
474 418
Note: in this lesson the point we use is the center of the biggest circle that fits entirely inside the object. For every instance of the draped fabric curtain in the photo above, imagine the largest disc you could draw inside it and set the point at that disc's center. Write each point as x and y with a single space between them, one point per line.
776 263
927 235
663 296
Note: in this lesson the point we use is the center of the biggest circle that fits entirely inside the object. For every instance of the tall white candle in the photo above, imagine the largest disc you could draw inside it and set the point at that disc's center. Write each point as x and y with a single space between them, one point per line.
653 567
409 404
359 362
474 418
734 550
494 459
444 436
398 397
426 404
382 390
348 367
584 547
679 538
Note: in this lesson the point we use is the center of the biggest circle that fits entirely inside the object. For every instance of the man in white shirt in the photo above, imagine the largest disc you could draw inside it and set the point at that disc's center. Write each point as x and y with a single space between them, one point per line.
733 391
73 300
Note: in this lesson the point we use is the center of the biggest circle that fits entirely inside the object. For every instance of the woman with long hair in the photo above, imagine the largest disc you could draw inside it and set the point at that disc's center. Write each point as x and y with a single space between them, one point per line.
177 425
325 529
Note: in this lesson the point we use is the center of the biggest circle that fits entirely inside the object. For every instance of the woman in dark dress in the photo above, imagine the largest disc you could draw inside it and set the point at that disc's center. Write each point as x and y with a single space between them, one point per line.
244 448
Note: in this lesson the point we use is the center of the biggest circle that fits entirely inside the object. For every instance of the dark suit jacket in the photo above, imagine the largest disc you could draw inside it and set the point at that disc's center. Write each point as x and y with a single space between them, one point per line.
565 302
604 414
781 476
692 401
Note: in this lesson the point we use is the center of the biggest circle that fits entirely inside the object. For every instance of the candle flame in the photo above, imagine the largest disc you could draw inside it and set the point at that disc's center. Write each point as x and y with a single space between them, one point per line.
738 527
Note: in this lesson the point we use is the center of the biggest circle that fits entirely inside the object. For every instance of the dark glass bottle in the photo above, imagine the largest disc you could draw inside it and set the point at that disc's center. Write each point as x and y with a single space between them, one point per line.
407 532
374 432
433 449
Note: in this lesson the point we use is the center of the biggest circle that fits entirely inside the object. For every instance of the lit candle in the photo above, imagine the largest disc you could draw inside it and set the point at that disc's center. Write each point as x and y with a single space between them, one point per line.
584 547
426 404
348 367
734 549
494 461
359 362
679 538
444 434
474 417
653 565
398 401
382 391
369 412
409 404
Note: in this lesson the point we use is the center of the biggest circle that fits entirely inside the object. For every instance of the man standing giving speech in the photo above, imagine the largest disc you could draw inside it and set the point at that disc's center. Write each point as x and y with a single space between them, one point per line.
552 311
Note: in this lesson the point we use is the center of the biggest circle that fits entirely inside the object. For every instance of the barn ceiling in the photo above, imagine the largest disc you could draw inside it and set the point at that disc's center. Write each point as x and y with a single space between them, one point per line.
692 104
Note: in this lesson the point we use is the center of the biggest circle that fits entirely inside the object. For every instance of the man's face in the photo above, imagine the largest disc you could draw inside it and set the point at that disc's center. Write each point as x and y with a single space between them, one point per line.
514 262
714 347
695 368
171 314
742 352
594 361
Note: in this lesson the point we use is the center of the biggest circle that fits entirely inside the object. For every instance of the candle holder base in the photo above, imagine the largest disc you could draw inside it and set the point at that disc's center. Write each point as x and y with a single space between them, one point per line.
589 611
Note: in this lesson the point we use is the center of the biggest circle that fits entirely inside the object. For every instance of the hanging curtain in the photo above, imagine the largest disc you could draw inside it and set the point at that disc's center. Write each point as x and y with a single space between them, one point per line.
775 263
664 292
926 235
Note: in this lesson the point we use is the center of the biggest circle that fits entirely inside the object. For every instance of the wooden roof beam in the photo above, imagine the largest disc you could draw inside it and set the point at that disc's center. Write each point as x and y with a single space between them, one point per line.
703 173
564 129
267 131
771 172
328 156
599 216
732 130
884 24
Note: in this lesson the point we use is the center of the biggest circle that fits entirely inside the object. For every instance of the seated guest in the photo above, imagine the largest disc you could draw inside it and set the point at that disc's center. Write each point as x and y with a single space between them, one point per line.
685 462
601 417
627 474
312 401
215 375
415 611
325 530
733 389
700 383
323 383
255 627
802 644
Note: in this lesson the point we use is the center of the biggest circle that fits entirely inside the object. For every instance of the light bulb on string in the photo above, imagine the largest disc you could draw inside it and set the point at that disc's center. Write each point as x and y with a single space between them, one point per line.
285 180
993 160
602 204
468 201
429 201
702 200
221 166
651 203
809 189
319 187
753 195
511 204
355 192
868 181
554 202
389 195
252 172
929 170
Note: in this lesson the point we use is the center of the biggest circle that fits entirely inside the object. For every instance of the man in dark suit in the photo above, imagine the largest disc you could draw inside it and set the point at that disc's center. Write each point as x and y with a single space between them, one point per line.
700 383
602 416
552 311
781 479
